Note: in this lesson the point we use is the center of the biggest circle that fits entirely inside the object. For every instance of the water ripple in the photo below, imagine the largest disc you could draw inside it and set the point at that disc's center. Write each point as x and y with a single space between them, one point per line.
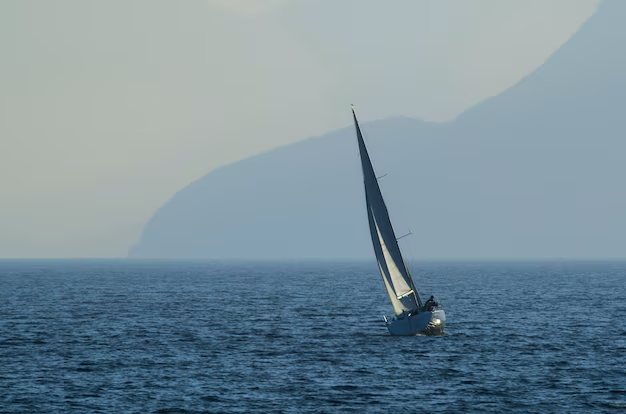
190 337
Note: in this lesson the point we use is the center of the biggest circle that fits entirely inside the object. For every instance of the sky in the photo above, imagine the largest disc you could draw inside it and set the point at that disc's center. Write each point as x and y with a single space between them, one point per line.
109 107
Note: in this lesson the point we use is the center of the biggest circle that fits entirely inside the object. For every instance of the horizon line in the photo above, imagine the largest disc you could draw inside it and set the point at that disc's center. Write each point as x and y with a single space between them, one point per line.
324 259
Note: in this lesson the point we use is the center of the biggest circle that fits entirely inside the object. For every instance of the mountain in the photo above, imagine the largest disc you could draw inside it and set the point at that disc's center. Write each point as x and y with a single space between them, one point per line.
536 171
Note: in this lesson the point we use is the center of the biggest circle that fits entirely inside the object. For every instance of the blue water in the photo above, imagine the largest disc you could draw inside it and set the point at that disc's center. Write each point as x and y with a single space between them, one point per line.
130 336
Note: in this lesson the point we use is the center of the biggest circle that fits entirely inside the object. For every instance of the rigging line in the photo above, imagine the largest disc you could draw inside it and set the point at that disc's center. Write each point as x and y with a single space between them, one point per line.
402 237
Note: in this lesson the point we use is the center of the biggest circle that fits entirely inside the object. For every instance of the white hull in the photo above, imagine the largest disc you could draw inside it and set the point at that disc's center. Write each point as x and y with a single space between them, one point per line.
424 323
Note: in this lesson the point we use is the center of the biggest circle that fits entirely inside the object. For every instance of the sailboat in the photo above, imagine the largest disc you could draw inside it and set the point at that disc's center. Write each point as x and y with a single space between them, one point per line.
412 317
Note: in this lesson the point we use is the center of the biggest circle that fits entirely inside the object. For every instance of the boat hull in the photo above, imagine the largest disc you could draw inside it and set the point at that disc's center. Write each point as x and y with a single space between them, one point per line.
423 323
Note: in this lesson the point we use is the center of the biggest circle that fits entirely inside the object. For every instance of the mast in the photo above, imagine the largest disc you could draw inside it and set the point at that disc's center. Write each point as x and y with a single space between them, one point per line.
398 282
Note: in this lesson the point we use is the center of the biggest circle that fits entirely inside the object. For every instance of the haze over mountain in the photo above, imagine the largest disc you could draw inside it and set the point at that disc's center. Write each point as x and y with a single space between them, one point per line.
110 107
536 171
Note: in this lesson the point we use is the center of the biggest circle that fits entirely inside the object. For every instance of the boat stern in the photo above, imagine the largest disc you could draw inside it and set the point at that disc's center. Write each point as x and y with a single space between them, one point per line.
437 323
423 323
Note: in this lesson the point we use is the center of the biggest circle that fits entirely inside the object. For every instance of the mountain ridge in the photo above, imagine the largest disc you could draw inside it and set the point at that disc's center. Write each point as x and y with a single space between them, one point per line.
532 172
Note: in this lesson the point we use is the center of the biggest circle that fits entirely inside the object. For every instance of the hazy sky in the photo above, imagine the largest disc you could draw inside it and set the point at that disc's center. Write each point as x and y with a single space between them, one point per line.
109 107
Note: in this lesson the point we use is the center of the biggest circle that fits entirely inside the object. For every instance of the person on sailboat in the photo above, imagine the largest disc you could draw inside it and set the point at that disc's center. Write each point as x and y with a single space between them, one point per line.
430 304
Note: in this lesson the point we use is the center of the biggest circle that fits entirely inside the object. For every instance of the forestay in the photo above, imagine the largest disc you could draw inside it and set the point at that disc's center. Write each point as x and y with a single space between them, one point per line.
394 271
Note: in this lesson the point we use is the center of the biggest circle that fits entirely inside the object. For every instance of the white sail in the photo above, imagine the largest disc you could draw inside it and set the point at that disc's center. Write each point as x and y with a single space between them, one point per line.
398 282
400 285
398 307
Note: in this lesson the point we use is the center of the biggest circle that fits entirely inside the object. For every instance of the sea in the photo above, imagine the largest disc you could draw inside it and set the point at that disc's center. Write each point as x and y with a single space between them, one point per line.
150 336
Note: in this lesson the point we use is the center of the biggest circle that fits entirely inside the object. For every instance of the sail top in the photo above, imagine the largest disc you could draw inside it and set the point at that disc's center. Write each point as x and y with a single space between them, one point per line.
398 281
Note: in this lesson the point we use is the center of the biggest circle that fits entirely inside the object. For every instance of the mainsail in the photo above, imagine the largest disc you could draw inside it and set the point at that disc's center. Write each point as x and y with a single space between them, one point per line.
396 276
